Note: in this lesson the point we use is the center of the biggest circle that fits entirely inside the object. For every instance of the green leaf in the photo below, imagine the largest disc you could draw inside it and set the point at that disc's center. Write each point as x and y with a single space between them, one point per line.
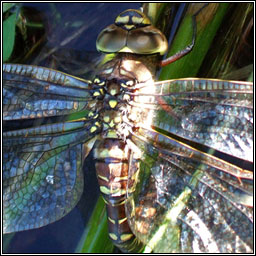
95 238
189 65
8 36
7 6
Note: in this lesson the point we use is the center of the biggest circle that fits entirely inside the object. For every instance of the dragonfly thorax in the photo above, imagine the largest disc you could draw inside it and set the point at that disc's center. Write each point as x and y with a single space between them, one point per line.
118 89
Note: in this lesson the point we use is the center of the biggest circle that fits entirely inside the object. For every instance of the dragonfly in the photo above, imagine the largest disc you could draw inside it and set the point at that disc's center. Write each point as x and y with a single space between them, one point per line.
152 142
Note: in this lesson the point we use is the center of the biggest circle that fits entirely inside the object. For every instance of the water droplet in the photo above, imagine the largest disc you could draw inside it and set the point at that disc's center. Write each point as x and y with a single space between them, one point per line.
50 179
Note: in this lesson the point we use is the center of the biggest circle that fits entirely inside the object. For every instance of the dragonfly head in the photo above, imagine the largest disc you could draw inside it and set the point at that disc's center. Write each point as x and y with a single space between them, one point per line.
132 32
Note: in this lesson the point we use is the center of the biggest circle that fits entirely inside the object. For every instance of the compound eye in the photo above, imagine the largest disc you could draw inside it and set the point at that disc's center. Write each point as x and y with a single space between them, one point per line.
111 39
147 40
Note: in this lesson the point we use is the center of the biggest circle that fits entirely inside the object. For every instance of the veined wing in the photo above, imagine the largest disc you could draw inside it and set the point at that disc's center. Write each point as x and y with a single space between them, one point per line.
37 92
215 113
42 172
185 200
42 165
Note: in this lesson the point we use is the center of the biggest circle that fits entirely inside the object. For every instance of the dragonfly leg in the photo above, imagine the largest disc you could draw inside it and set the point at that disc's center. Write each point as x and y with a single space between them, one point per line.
186 50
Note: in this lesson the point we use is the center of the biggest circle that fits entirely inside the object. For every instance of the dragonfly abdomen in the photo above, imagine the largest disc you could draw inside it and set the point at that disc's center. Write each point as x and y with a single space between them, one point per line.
111 156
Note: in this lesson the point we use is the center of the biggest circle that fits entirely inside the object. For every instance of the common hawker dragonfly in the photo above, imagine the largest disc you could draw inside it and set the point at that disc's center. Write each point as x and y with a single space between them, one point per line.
153 144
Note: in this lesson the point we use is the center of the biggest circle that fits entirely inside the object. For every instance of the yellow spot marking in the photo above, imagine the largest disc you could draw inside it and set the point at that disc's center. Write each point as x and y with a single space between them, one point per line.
123 19
113 236
117 179
103 178
123 202
111 134
111 220
117 119
96 80
112 191
126 237
105 190
90 114
120 221
113 91
125 49
123 85
129 26
95 94
101 90
112 103
97 124
103 153
137 20
93 129
112 124
106 119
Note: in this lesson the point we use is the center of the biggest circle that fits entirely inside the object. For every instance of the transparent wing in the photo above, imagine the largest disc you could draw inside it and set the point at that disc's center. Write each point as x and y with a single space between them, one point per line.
215 113
42 173
42 164
182 198
37 92
187 201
